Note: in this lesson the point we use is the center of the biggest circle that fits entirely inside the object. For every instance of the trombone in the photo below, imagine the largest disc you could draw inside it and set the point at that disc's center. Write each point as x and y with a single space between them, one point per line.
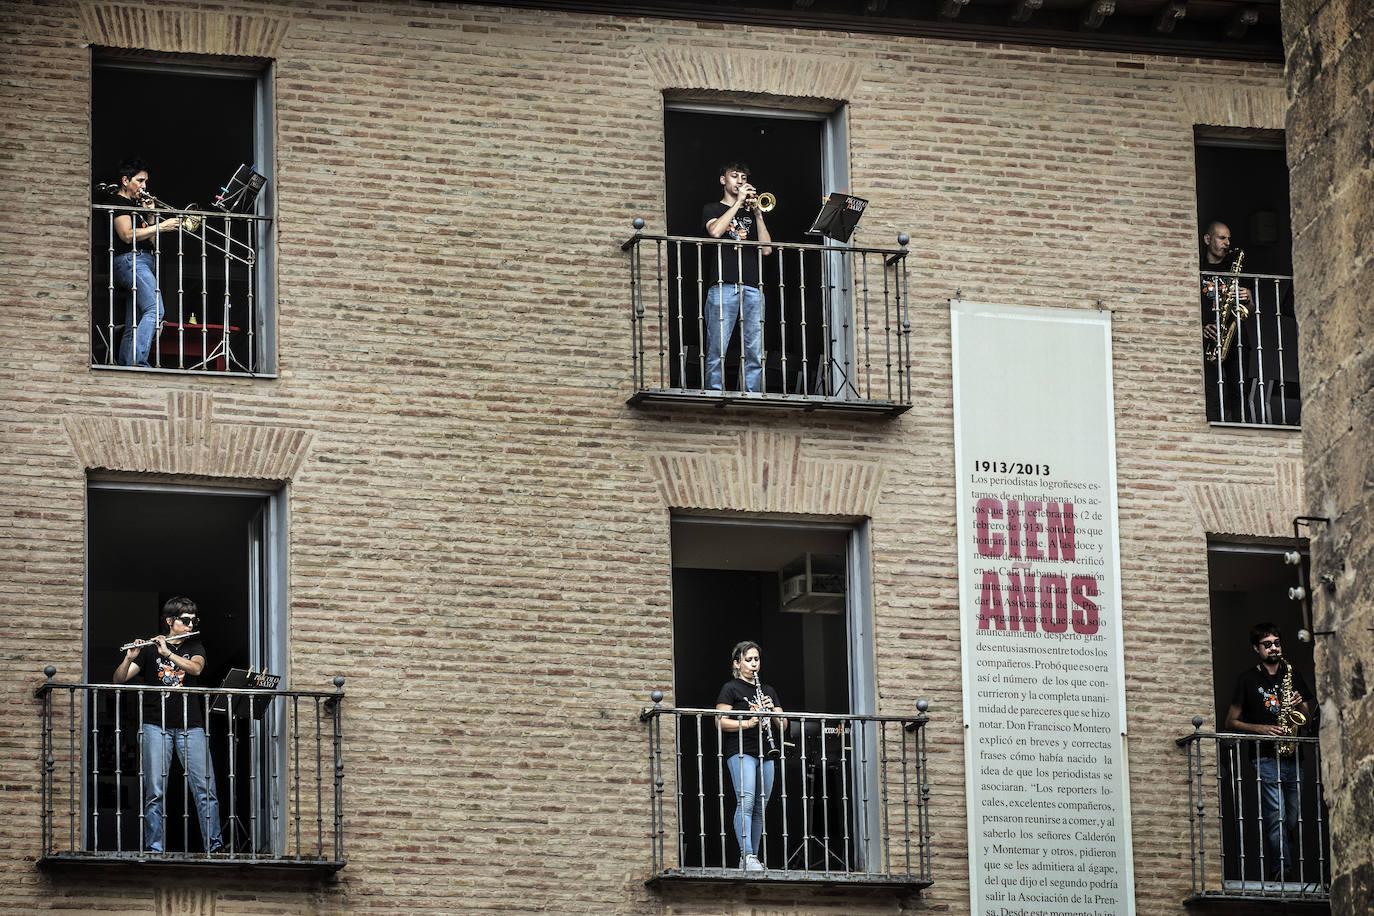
192 222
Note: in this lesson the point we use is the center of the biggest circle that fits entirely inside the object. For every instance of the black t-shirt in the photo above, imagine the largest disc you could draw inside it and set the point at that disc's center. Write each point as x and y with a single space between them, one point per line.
141 216
741 695
1257 694
156 671
724 261
1216 281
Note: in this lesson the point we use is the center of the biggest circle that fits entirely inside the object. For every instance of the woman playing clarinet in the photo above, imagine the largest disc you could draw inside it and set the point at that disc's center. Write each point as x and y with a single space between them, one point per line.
749 744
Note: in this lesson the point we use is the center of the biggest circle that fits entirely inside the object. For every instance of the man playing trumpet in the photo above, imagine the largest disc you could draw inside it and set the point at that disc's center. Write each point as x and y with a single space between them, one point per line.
734 293
173 721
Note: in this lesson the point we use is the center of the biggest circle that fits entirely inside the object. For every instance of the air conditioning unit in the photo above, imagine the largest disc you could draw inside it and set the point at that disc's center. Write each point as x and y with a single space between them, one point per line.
813 584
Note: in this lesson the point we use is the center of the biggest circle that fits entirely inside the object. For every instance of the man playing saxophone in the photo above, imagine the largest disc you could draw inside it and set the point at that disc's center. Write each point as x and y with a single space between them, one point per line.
1263 703
1224 297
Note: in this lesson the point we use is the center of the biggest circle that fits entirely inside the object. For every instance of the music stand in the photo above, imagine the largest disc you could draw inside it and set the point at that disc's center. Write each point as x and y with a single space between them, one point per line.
245 678
811 735
840 214
250 708
240 192
838 218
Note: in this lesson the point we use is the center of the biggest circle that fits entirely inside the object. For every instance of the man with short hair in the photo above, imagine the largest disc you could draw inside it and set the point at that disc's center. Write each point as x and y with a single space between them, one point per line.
1255 710
734 293
173 721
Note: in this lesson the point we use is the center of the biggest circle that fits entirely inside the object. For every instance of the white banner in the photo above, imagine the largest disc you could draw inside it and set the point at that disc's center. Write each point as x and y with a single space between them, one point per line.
1040 602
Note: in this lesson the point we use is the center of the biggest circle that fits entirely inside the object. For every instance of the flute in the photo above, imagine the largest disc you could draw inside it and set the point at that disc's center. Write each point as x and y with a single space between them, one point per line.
140 643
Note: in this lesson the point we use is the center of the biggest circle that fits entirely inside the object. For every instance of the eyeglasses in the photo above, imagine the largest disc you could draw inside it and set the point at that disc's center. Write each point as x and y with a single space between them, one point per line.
1269 642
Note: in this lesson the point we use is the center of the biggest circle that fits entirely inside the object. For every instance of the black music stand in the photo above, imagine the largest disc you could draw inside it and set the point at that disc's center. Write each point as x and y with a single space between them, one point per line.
240 192
811 735
839 217
245 707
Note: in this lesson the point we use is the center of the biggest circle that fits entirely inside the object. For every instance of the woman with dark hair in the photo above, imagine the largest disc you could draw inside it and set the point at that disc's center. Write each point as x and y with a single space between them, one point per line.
749 745
135 254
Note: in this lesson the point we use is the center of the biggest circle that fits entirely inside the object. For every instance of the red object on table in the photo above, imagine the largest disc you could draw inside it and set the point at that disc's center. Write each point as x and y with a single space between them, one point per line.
194 346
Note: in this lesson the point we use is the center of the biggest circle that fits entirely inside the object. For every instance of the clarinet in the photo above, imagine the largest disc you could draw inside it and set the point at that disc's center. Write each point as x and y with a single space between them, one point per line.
770 747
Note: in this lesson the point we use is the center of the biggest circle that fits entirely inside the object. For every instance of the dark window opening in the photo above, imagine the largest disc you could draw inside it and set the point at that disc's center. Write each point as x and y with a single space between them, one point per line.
1251 376
786 588
144 547
194 126
1249 585
785 156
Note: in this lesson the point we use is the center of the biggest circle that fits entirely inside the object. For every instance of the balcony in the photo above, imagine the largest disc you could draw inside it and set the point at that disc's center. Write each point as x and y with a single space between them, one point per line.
209 273
277 758
1231 860
1256 382
849 805
835 329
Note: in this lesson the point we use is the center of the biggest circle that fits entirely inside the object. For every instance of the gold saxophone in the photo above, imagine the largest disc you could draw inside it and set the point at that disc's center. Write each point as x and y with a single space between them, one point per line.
1232 311
1290 718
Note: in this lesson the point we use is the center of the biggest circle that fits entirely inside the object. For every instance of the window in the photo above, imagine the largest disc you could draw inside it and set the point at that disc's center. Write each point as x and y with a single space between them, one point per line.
1242 182
1249 585
196 125
800 591
831 329
224 549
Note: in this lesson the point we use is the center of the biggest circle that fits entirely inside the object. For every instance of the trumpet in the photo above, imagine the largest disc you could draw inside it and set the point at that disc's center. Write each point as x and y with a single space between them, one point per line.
140 643
766 201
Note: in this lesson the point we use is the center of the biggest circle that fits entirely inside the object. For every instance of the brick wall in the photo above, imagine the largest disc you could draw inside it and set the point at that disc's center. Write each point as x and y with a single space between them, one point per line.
477 520
1330 57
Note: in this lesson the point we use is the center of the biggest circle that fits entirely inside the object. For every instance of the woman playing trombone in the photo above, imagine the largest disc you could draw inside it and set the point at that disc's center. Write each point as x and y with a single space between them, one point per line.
749 744
135 254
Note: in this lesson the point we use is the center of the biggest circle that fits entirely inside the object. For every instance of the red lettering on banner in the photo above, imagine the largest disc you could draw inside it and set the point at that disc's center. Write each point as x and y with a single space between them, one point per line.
990 602
1054 604
1081 590
1034 531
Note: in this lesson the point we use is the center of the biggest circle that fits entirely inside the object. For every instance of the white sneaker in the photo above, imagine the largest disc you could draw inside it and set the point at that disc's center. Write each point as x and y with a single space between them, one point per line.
751 863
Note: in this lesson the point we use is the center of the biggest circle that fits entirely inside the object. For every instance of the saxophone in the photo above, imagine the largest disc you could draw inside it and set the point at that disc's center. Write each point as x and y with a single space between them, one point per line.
1232 312
1290 718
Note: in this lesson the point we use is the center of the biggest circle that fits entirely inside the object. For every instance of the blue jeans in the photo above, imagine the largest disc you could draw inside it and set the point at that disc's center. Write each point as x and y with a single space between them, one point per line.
747 773
723 309
1279 805
136 281
191 750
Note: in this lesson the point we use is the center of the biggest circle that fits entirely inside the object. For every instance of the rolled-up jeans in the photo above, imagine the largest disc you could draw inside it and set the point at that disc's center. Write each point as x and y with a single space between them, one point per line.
726 304
136 280
193 752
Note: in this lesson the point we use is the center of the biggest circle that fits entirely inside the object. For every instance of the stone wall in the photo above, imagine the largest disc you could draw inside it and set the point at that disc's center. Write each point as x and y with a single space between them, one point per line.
1330 53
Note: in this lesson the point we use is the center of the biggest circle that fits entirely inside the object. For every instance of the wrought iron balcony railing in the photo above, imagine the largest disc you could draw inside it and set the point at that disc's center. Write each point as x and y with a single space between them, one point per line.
1256 380
1257 823
849 801
208 274
835 327
277 758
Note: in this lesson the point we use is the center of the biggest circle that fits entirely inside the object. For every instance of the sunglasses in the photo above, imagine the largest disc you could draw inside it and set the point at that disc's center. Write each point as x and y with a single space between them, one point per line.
1269 643
189 621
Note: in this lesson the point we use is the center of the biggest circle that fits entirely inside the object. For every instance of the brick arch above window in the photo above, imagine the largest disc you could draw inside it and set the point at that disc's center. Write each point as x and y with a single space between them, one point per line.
768 473
1260 510
754 73
181 31
189 442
